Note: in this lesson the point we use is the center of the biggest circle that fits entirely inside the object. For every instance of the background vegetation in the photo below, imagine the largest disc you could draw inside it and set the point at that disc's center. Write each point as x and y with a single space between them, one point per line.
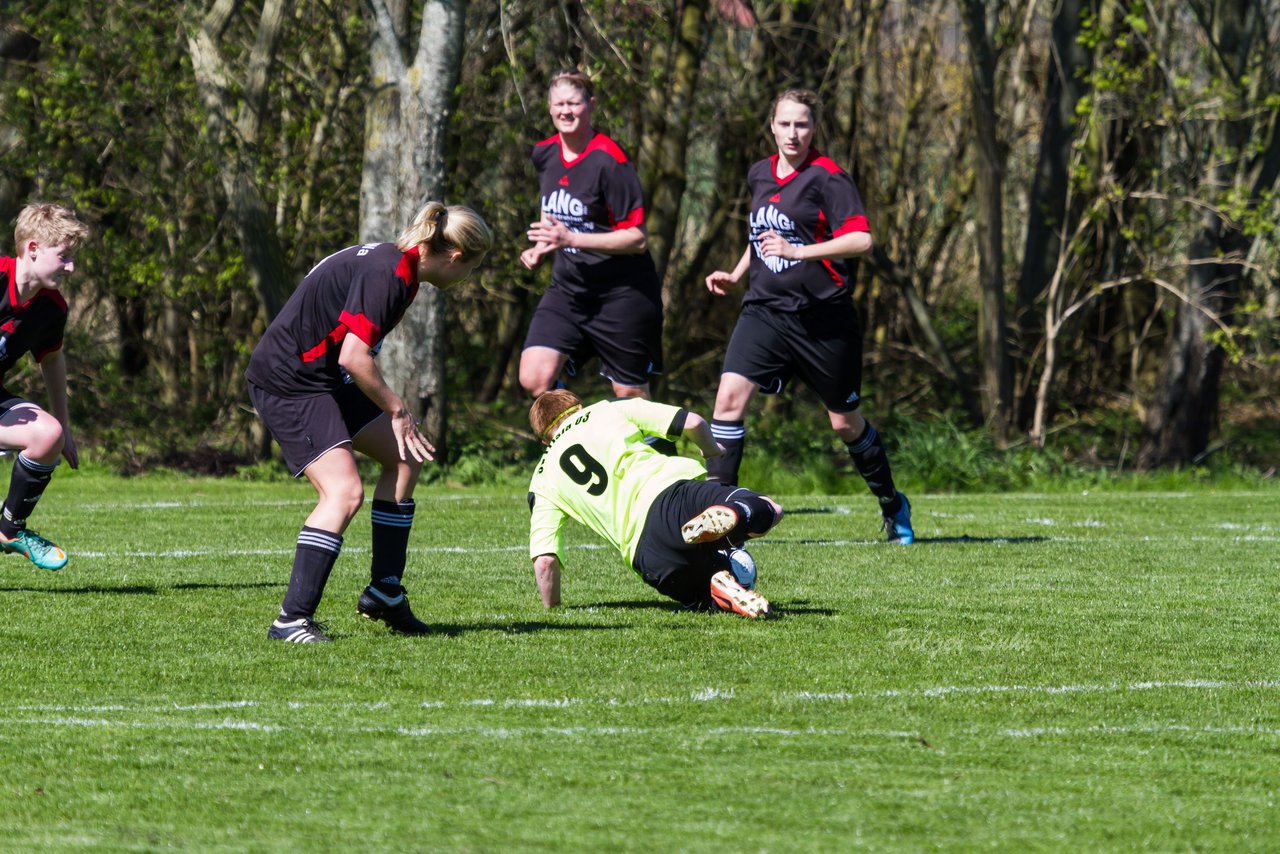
1074 205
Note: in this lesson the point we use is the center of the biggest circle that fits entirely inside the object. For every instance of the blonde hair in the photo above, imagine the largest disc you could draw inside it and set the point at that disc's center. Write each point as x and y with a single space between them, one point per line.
49 225
575 78
550 408
444 228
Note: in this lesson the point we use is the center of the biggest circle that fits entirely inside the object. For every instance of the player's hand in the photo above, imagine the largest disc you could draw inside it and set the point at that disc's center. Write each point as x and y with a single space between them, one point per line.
774 245
718 451
532 257
69 451
550 231
719 282
410 439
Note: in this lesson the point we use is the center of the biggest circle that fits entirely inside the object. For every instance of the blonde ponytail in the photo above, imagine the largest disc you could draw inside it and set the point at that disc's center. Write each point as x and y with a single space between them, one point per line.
444 228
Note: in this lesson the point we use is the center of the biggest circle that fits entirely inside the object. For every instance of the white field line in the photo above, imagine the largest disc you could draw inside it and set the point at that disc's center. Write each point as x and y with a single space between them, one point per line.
683 727
763 544
703 695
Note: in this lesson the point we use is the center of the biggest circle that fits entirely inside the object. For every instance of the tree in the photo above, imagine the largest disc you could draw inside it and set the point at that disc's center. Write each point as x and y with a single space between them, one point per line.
404 167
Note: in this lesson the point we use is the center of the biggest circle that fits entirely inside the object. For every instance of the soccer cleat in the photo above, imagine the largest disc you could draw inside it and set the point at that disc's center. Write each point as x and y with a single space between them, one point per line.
711 524
298 631
898 525
732 596
392 610
34 548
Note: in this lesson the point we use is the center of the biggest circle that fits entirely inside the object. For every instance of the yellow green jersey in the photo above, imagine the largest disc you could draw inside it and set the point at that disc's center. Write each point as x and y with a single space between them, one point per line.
599 471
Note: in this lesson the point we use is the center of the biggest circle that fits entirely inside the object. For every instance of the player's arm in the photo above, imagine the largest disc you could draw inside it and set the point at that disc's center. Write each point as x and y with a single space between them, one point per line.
554 233
358 362
720 281
546 542
54 369
546 569
845 246
697 430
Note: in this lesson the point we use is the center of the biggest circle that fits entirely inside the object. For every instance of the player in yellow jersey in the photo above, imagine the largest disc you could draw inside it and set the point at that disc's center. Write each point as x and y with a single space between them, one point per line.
672 527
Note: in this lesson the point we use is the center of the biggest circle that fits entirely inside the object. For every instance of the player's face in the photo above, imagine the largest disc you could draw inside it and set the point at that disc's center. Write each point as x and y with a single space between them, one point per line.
570 109
452 272
792 130
49 265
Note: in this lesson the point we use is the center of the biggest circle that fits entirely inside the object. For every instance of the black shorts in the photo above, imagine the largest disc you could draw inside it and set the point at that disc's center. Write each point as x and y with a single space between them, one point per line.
621 325
307 427
669 564
9 400
821 345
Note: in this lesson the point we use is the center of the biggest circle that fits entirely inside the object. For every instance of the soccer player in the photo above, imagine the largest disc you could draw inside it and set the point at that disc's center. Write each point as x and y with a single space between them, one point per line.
798 317
315 384
33 315
604 299
675 530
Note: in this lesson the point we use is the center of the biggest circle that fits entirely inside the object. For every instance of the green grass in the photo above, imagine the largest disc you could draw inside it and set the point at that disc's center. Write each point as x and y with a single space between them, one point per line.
1074 671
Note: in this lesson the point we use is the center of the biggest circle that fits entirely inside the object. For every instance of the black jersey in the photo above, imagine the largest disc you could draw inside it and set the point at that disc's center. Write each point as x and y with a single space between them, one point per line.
363 290
34 327
815 203
597 192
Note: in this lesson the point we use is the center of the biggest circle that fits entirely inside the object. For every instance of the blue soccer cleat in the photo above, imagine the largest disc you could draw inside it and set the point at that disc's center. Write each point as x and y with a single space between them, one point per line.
35 548
897 526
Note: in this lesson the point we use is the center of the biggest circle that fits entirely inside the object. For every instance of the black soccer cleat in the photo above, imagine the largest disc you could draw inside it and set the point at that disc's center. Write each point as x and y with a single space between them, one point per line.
298 631
392 610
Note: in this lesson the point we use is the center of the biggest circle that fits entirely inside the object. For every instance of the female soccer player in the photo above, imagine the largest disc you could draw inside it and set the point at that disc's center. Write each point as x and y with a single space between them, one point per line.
604 298
797 316
33 315
315 384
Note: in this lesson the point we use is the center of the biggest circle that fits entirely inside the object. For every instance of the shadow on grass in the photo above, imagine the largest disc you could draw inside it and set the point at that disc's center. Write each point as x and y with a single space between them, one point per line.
141 589
451 630
965 538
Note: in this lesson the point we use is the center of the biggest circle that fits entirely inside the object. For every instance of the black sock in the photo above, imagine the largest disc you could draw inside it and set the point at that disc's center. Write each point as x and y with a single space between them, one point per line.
26 485
391 525
313 560
873 464
755 516
732 435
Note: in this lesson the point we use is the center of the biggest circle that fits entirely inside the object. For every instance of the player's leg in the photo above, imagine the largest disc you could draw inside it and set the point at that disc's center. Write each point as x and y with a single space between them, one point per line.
829 361
540 369
733 514
553 341
869 457
337 483
756 359
392 514
728 426
316 443
697 575
37 437
625 331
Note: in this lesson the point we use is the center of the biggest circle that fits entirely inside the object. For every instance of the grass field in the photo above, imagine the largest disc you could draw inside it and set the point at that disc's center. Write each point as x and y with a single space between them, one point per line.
1045 672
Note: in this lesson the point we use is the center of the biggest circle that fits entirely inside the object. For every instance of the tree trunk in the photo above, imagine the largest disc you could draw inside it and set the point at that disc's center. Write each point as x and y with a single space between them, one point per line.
404 167
237 137
997 387
664 149
1184 410
1068 65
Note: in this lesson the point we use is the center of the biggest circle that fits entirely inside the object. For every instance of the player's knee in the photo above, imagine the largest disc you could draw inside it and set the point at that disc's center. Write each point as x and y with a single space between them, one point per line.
534 380
47 438
349 498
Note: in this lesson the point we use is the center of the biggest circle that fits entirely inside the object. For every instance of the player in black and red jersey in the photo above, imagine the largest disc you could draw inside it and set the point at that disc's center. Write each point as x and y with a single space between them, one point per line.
798 318
604 299
33 315
315 384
